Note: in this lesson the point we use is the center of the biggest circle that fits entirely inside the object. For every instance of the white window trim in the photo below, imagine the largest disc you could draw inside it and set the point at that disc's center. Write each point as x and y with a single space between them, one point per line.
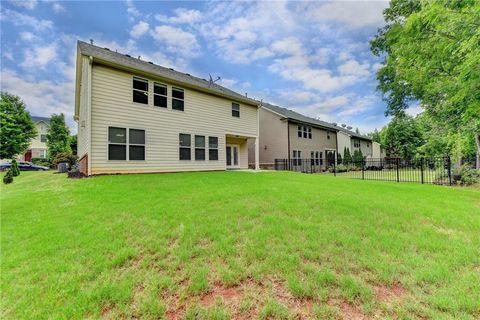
127 144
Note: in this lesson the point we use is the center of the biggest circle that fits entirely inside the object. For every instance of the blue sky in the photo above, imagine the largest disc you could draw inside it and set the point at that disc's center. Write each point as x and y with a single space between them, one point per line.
312 57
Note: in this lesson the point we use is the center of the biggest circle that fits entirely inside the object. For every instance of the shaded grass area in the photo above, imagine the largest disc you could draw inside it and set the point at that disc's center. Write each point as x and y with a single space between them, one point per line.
237 245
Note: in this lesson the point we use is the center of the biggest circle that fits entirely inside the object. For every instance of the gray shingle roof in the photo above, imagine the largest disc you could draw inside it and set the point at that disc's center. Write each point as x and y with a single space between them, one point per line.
290 114
37 119
106 55
354 134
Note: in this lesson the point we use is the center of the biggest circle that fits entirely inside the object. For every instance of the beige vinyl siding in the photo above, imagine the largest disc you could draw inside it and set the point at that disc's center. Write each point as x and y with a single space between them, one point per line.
83 143
319 141
343 141
36 142
204 114
365 146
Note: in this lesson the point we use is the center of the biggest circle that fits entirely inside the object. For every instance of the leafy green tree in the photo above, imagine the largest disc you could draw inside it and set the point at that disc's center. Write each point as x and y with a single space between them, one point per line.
16 126
347 158
73 144
58 137
357 156
375 136
431 55
402 136
14 168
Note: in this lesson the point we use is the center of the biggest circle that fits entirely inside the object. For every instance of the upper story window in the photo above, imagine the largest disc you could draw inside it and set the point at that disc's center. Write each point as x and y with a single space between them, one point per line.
299 128
212 148
235 110
309 132
43 138
356 143
185 146
177 99
140 90
199 147
159 95
304 131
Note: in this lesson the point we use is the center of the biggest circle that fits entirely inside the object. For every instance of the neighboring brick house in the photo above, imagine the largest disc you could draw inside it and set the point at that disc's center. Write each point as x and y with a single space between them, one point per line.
38 145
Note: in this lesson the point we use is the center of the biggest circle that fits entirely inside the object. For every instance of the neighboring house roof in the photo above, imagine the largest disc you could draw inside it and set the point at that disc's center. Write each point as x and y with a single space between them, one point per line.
353 134
36 119
125 61
292 115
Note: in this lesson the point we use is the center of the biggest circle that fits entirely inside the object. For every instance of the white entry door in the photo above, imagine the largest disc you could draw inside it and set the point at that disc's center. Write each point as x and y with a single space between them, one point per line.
233 153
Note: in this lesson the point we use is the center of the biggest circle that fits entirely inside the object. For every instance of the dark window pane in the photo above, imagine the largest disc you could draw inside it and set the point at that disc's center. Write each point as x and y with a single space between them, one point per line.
177 93
137 136
199 154
304 134
235 113
117 152
140 97
43 138
117 135
213 142
185 154
160 89
137 153
294 153
177 104
309 135
213 154
185 140
140 84
160 101
235 106
200 141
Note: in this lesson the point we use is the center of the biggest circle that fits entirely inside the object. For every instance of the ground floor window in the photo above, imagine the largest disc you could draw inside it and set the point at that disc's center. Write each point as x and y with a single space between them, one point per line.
185 144
199 147
212 148
297 157
118 143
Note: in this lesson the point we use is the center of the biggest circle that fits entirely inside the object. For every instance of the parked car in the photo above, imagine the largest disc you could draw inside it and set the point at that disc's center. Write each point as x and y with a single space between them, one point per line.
23 166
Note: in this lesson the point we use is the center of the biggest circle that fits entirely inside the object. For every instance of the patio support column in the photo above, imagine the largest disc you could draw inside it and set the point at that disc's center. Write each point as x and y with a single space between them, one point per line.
257 154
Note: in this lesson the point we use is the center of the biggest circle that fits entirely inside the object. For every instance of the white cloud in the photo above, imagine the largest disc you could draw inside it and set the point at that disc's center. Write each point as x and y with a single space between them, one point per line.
354 68
353 14
57 7
19 19
27 4
182 15
132 11
39 56
139 29
176 40
288 46
42 97
28 36
414 110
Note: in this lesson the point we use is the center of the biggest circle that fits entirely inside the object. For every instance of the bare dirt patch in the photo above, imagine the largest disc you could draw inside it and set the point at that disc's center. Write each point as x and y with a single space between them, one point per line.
387 294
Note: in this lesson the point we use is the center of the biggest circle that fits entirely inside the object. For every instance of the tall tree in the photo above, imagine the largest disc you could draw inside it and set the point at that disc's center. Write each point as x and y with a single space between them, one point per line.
431 54
16 126
402 136
375 135
58 136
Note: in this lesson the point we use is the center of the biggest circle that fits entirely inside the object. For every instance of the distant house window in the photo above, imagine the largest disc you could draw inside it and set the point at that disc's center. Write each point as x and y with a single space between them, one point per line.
312 158
297 157
309 132
299 131
368 145
317 157
43 138
199 147
117 143
305 132
328 135
136 144
159 95
321 158
212 148
235 110
178 99
140 90
356 143
185 145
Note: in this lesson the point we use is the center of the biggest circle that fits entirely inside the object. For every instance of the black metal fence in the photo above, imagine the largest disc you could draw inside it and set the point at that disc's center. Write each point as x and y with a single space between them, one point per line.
423 170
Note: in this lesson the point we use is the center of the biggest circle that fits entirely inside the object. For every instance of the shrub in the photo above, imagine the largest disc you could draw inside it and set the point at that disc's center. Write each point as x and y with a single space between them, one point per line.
342 168
8 178
14 168
65 157
41 162
466 175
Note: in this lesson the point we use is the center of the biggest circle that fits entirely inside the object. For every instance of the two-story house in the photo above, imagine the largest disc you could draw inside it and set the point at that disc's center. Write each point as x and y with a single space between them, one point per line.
354 141
286 134
134 116
38 145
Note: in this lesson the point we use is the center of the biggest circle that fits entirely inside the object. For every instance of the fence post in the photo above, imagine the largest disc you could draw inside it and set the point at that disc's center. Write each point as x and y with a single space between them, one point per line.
334 168
363 169
449 170
421 168
398 173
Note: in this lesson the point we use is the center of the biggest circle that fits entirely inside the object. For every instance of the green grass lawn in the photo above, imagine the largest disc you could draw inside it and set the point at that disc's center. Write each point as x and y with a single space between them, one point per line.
237 245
